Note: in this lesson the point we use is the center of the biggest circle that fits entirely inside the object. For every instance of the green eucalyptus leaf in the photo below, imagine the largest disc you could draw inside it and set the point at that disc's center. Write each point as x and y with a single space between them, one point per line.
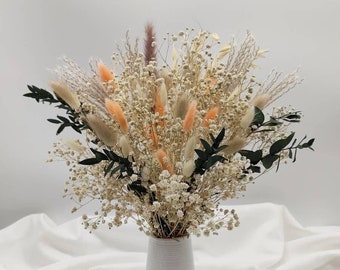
295 154
292 117
273 122
279 145
253 156
255 169
258 117
307 144
290 153
268 160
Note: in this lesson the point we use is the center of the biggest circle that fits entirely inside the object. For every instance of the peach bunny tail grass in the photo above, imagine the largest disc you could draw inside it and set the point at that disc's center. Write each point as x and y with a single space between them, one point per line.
117 113
159 107
152 134
164 161
104 73
190 116
211 114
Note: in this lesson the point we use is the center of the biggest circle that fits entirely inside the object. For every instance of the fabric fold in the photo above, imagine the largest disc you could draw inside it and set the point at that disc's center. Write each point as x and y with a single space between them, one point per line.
269 238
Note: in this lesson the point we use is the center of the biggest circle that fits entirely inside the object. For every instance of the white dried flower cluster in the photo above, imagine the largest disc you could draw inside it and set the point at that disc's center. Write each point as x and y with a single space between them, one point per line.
154 117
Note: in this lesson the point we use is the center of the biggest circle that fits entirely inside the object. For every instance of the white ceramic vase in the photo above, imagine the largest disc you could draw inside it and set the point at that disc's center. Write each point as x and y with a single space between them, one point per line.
170 254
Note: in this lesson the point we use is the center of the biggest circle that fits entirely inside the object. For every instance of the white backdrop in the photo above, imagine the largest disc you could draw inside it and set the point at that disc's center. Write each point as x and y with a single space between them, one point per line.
33 34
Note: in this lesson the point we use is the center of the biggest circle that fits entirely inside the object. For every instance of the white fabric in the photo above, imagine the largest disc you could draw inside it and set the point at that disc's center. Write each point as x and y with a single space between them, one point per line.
268 238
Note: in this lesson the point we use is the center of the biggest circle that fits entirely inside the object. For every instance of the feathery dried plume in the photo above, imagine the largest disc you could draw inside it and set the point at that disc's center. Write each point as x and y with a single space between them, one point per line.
189 149
275 86
260 101
104 133
62 91
149 44
181 106
190 116
188 168
224 51
248 117
74 145
125 146
235 145
117 113
163 93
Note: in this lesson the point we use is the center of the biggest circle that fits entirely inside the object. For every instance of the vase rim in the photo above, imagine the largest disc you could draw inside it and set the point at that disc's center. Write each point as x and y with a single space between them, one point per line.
169 241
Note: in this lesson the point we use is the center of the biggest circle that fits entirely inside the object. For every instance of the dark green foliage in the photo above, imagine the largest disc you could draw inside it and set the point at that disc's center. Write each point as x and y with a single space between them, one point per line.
123 165
274 153
268 160
41 95
258 118
260 125
253 156
137 188
116 164
208 157
279 145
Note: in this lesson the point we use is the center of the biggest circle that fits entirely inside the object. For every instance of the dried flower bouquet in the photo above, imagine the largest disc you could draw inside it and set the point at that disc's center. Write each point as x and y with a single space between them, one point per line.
165 141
